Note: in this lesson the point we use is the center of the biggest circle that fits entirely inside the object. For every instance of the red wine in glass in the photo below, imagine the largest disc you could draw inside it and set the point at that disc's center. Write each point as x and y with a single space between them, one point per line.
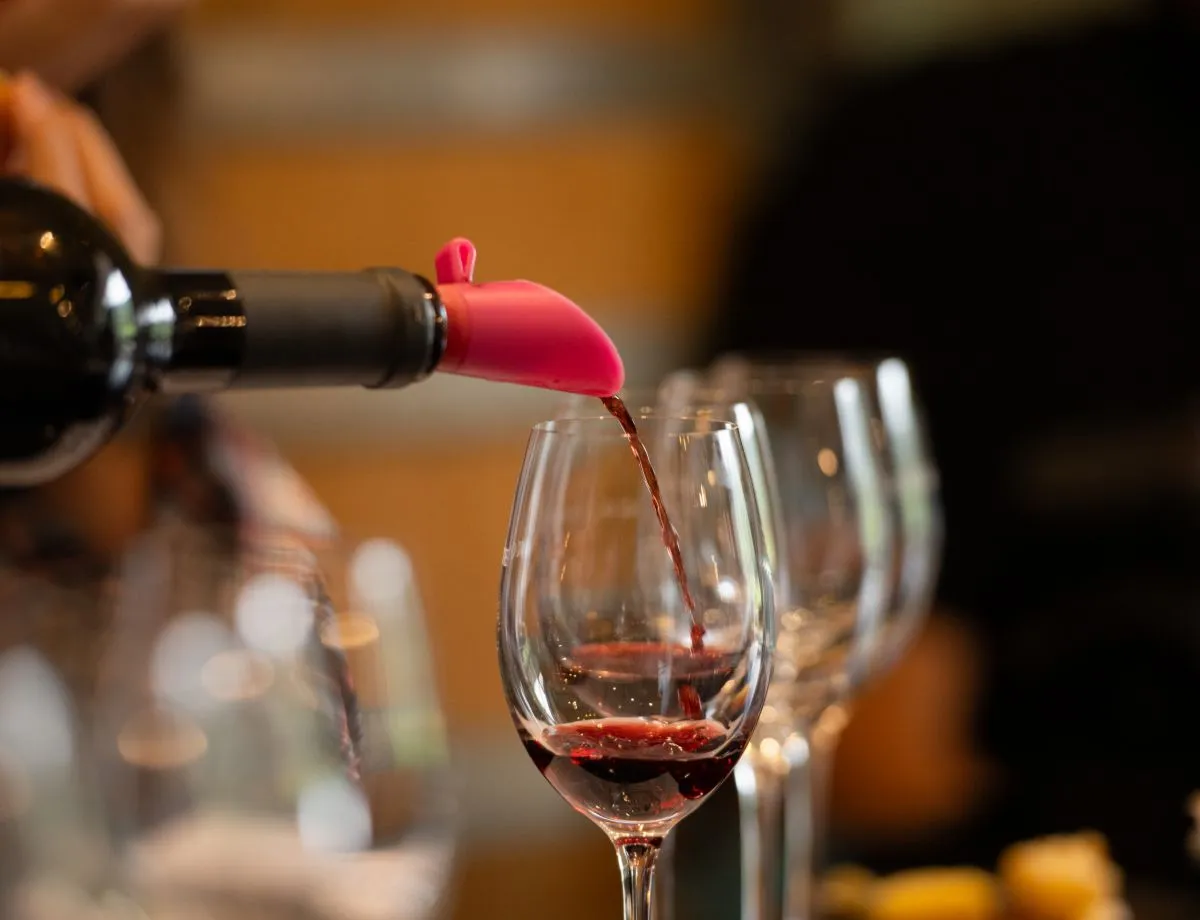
643 772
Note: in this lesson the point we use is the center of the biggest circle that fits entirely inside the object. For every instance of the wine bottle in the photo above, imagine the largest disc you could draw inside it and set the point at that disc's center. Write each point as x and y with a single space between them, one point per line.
86 334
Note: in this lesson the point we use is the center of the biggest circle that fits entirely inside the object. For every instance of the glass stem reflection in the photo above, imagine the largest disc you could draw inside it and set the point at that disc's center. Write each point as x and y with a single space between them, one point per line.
808 814
769 777
801 831
636 860
824 740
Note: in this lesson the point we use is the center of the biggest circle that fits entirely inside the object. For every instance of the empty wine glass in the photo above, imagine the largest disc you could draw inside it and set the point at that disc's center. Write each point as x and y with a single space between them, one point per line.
635 676
910 489
836 555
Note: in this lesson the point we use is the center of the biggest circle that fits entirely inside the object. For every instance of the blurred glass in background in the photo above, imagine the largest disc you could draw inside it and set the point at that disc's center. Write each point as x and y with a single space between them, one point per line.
223 731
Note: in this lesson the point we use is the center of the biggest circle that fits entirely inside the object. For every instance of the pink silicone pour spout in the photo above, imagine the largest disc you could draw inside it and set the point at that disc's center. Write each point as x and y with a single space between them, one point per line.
520 332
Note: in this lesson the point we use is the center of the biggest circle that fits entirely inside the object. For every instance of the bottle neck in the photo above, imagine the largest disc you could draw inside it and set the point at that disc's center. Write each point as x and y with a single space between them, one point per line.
194 328
212 330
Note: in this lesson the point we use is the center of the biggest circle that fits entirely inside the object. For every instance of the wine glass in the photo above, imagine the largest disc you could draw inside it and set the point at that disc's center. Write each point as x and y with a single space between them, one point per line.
909 481
687 393
259 723
635 667
836 558
910 488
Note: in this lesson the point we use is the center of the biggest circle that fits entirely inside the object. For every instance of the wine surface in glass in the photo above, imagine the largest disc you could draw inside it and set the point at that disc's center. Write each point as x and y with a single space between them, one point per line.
642 772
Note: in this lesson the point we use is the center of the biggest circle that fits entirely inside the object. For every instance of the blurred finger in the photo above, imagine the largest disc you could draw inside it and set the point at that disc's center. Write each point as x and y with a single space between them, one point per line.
114 194
44 146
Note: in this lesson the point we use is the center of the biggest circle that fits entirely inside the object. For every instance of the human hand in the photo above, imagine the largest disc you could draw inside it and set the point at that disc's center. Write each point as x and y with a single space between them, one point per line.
70 42
60 144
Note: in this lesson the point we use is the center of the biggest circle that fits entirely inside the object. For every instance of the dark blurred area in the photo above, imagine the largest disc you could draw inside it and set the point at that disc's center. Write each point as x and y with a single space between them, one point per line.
1016 220
1002 193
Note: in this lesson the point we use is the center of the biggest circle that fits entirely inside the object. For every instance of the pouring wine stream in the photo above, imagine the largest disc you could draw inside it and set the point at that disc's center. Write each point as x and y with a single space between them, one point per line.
689 699
491 350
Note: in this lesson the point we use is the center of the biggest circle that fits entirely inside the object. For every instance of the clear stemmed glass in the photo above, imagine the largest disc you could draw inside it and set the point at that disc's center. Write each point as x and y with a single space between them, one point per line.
910 487
687 393
634 707
835 557
257 732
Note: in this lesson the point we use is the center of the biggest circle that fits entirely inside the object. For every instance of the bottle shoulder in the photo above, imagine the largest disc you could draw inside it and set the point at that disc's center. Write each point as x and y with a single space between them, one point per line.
68 329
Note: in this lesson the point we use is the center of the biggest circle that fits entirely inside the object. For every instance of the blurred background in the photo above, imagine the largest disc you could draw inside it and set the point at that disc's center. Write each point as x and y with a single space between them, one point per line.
602 147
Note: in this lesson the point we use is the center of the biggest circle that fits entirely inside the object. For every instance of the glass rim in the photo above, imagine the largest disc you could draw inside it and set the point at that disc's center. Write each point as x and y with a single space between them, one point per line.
573 425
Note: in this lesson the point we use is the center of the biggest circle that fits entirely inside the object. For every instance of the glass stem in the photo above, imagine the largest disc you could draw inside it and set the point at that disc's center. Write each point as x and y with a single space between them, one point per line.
799 832
765 776
808 815
636 858
825 740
